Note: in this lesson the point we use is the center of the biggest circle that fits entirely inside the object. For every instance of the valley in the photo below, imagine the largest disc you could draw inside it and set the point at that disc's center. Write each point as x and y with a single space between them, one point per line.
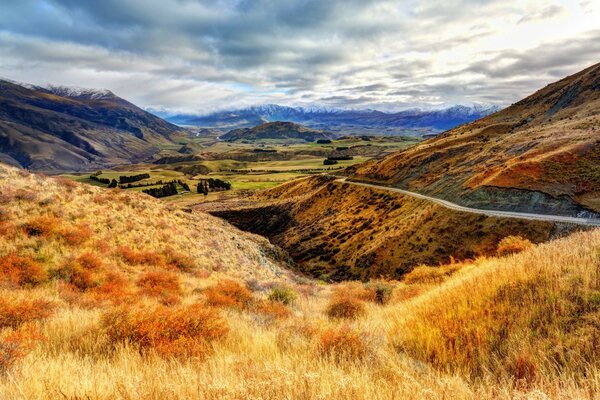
290 252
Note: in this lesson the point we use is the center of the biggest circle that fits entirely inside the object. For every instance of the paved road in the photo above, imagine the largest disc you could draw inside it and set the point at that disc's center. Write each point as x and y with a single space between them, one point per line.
490 213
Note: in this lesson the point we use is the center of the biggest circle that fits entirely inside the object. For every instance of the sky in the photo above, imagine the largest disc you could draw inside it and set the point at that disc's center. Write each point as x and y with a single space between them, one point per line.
202 56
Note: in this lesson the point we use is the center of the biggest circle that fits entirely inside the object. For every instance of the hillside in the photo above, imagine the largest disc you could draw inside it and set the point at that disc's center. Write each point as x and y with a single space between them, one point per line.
140 301
57 128
275 130
540 154
335 231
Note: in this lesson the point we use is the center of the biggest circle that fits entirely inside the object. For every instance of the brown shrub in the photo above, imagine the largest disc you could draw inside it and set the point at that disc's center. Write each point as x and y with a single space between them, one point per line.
75 274
345 307
181 332
66 182
21 271
229 293
180 261
160 284
43 226
15 311
273 309
133 257
513 245
76 236
342 343
90 261
523 370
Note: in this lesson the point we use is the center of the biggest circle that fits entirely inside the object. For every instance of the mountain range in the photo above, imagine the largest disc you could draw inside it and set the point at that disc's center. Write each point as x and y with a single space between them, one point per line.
417 121
58 128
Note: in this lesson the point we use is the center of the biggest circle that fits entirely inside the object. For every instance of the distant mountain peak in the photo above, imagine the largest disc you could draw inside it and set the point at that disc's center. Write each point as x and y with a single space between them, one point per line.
80 92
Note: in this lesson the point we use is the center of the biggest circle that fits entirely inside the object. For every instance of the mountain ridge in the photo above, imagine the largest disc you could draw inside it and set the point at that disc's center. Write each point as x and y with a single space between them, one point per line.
59 128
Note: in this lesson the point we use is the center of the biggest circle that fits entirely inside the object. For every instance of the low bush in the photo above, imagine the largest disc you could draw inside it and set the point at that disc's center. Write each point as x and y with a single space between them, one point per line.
90 261
21 271
15 311
15 345
345 307
134 257
181 332
74 274
283 294
229 293
275 310
513 245
424 274
382 292
182 262
42 226
76 236
342 343
160 284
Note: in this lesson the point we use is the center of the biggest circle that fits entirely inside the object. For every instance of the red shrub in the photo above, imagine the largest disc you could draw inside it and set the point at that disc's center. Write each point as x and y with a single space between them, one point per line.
15 311
113 288
42 226
160 284
342 343
133 257
76 236
229 293
16 345
345 307
21 271
182 332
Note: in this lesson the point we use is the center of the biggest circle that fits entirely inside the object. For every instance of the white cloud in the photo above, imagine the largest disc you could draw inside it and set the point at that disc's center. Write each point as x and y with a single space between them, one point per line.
203 55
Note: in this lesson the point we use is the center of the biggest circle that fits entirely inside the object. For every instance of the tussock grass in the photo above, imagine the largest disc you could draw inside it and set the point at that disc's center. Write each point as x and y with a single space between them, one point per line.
515 327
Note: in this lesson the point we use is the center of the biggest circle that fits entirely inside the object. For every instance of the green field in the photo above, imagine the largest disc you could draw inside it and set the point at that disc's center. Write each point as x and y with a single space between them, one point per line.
245 176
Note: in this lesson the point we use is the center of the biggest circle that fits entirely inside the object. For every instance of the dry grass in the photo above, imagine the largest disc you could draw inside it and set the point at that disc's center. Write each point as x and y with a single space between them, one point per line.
516 327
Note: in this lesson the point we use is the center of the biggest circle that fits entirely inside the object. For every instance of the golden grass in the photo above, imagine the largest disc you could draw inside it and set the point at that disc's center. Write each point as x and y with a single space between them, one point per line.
518 327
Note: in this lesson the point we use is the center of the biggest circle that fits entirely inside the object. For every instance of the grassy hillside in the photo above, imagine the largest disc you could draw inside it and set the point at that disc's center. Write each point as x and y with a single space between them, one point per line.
540 154
110 295
336 231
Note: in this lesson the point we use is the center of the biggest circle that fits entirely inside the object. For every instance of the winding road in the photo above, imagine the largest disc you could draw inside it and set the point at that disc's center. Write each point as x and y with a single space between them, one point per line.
489 213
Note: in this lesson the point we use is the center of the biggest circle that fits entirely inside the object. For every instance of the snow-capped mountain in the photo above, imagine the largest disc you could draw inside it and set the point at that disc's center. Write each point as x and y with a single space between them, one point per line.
325 118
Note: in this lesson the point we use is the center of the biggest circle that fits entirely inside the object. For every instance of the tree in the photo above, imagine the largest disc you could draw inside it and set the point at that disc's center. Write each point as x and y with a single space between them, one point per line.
113 184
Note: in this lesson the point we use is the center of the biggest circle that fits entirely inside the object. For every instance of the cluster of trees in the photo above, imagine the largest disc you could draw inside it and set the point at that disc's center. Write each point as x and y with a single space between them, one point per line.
340 158
212 184
323 141
169 189
96 178
133 178
329 161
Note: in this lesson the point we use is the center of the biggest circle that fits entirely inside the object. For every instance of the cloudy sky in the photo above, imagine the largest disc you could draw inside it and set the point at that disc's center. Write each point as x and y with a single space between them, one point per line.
201 55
